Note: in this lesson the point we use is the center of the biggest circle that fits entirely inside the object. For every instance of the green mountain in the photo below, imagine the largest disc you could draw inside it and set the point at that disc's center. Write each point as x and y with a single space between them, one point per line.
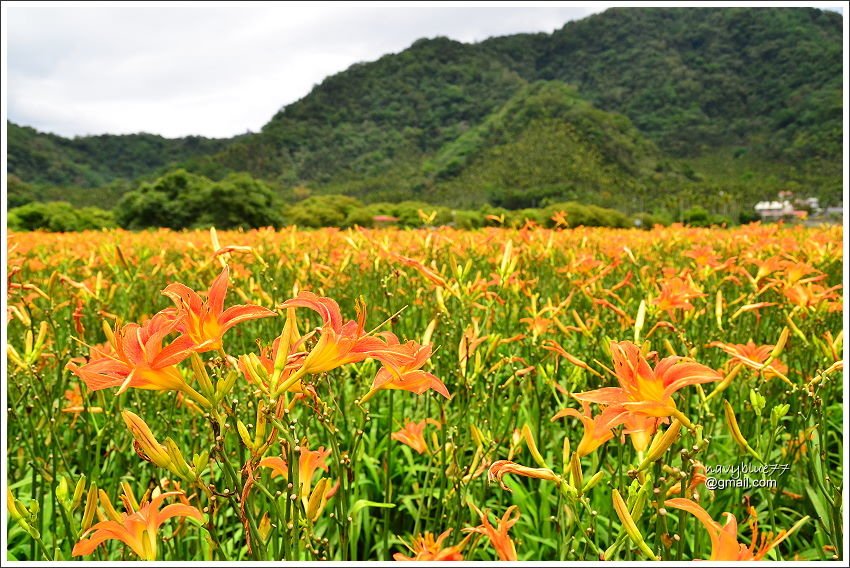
91 161
634 108
545 142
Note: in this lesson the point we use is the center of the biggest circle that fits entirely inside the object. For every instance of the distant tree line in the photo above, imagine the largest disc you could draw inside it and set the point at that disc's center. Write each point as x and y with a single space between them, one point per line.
182 200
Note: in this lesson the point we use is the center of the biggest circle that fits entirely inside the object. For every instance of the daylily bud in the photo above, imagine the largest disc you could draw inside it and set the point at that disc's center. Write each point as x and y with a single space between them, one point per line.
639 320
225 385
718 309
429 331
575 471
201 374
629 525
106 504
91 506
62 492
201 460
177 463
441 302
532 446
79 489
317 499
593 481
265 527
780 344
289 335
777 413
758 401
727 380
660 444
260 430
243 433
732 422
14 357
39 342
11 503
28 340
145 439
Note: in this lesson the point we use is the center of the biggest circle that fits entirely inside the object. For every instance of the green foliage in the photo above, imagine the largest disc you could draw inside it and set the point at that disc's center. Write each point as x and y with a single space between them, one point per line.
703 77
58 216
697 216
18 192
180 199
546 144
321 211
241 201
588 215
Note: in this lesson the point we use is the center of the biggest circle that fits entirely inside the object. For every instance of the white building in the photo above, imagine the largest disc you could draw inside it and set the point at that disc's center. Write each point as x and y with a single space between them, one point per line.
774 209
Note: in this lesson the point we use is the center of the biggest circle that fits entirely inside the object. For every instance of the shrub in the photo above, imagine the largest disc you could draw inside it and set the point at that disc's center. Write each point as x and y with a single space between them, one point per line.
58 216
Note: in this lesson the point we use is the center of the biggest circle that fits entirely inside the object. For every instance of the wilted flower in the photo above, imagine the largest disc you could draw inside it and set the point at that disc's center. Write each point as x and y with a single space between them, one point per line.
501 468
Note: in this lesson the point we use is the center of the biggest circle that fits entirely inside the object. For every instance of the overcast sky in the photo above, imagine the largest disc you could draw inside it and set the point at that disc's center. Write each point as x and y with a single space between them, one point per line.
213 70
208 70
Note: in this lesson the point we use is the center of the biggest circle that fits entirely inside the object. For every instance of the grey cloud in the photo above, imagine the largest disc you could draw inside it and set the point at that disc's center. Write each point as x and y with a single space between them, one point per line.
215 71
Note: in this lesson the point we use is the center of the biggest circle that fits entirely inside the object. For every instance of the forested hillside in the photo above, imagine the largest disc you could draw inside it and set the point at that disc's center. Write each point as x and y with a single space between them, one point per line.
634 108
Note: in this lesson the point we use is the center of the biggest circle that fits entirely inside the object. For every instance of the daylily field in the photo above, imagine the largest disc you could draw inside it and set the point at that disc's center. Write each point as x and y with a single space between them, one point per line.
434 394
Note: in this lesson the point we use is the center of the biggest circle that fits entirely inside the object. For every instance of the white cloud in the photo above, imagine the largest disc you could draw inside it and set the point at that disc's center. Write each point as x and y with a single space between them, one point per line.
210 70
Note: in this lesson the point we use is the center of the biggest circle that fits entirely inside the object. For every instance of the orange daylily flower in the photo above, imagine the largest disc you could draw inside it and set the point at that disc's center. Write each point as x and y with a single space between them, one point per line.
643 390
753 356
808 295
277 464
308 463
206 322
597 430
560 219
640 429
427 548
75 403
339 344
498 536
724 538
402 368
676 293
766 266
136 358
136 529
412 435
537 325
